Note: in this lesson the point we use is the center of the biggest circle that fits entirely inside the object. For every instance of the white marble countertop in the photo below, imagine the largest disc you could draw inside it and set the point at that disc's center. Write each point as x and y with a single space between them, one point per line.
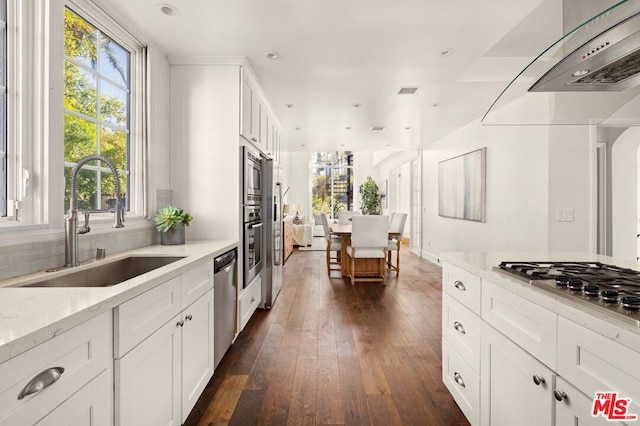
32 315
482 265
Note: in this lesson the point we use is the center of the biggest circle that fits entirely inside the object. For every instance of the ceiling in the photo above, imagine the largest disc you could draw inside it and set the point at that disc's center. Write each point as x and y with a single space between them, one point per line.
337 53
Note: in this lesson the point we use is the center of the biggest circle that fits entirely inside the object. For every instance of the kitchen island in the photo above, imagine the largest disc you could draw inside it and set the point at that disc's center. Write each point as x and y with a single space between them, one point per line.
85 342
515 353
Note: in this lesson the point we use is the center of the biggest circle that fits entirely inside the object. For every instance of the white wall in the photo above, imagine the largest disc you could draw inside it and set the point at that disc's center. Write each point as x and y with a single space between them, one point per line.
624 176
516 191
299 181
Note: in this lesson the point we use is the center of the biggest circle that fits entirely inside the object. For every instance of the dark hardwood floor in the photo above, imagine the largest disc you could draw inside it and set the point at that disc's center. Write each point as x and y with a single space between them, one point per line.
329 353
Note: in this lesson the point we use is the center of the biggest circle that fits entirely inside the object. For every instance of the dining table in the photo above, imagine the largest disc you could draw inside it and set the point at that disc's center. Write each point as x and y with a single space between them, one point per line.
343 230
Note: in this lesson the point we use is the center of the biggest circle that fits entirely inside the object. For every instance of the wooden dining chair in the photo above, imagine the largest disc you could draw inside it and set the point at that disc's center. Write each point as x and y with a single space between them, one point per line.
398 221
333 244
368 249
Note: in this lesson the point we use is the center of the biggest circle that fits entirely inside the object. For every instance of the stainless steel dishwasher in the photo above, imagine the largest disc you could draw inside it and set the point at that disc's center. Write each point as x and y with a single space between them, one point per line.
225 281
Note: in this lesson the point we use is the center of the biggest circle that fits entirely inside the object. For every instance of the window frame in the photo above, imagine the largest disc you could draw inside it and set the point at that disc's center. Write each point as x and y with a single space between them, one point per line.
330 168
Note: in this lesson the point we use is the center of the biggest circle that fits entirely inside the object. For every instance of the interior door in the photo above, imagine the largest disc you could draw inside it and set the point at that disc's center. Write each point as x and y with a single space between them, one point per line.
415 216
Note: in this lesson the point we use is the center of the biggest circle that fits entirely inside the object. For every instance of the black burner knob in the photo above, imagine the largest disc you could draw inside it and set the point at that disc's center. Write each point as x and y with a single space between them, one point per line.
575 284
591 290
562 280
631 302
610 296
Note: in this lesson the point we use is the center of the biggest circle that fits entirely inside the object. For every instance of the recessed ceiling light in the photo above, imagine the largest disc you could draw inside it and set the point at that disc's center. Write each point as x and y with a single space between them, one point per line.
168 9
407 128
302 144
272 55
377 128
348 127
341 144
297 128
580 73
407 91
289 105
446 52
435 105
357 105
388 144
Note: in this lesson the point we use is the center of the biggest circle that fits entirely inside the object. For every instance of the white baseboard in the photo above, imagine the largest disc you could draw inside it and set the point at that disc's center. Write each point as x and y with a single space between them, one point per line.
430 257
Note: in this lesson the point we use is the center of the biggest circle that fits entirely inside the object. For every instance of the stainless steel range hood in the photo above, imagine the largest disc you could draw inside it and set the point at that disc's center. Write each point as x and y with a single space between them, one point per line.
589 76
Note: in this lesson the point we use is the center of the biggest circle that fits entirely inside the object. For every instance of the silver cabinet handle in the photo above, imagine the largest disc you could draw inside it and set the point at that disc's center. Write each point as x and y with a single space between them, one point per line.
458 378
560 395
538 380
459 285
180 324
253 299
189 317
459 327
43 380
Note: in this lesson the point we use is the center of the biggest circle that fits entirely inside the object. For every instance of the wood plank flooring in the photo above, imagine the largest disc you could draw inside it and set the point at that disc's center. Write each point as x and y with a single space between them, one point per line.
329 353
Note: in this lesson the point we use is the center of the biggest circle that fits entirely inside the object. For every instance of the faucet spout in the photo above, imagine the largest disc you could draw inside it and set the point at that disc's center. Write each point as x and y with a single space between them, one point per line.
71 221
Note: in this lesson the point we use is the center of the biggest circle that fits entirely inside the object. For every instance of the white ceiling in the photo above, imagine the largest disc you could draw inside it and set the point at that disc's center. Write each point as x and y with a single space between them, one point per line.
334 53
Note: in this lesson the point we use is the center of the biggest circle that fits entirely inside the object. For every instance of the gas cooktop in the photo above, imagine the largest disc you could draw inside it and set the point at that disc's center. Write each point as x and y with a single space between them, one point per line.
608 288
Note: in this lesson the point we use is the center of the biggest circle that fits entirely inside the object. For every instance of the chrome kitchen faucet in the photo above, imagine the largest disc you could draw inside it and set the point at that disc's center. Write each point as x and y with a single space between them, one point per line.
71 228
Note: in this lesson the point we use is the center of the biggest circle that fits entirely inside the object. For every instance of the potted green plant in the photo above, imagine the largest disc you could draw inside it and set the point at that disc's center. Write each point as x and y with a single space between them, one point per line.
370 197
170 222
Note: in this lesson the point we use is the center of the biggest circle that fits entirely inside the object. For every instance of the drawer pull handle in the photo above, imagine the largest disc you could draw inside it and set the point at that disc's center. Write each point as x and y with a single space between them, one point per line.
538 380
189 317
253 299
560 395
180 324
459 327
458 378
42 381
459 285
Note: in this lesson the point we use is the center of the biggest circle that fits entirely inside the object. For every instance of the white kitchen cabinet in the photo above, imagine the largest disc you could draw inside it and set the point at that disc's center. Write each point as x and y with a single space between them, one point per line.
516 388
462 286
461 328
462 382
248 301
253 123
147 380
79 355
197 350
91 406
594 363
527 324
574 407
161 378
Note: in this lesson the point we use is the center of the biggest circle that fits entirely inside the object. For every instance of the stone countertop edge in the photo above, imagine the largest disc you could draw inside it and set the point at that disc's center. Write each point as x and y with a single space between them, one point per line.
31 316
482 264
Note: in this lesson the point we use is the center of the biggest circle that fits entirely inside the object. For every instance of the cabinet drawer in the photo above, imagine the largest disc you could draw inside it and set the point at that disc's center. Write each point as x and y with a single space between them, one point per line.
196 282
462 286
593 363
137 318
461 328
576 408
462 382
249 301
531 326
84 352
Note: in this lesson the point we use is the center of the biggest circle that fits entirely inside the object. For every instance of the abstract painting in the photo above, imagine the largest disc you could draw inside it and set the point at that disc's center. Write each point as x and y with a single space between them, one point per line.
461 186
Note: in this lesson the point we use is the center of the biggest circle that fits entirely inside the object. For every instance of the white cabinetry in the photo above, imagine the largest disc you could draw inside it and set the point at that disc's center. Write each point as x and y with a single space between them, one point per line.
248 301
159 380
517 389
258 124
80 395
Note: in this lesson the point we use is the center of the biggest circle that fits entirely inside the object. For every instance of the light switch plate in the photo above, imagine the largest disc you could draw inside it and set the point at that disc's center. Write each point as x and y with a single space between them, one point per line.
564 215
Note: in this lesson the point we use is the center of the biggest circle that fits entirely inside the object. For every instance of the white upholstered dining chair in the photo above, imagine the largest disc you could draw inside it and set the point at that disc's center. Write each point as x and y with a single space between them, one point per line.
397 223
333 244
345 215
369 242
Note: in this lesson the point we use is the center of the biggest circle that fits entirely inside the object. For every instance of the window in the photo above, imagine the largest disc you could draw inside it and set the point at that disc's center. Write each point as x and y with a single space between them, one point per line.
3 108
97 111
332 182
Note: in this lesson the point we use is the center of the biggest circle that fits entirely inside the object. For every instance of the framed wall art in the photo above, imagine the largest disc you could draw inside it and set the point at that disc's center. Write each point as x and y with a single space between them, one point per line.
462 185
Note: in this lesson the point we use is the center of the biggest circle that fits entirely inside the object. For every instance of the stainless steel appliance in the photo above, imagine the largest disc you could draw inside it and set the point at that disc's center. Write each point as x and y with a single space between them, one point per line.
225 280
271 206
607 288
252 177
253 243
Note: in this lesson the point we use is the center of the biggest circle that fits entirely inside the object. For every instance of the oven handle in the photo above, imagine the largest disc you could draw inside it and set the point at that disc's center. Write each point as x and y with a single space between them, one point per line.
257 225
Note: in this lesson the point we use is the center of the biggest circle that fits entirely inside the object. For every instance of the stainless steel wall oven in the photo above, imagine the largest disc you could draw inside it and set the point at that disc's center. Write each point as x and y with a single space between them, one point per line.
252 179
253 247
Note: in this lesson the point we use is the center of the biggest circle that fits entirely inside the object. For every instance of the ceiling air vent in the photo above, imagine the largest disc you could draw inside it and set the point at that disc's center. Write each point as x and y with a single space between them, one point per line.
407 90
377 128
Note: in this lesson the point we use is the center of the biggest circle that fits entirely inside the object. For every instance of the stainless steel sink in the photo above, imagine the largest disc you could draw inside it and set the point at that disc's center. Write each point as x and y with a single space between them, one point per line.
106 274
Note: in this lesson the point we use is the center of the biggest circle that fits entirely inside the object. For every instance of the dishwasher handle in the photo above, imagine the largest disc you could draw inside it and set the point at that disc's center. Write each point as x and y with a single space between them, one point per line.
222 262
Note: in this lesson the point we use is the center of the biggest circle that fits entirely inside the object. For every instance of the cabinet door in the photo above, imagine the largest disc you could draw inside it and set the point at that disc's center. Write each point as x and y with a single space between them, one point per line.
90 406
245 125
197 350
510 396
147 380
575 407
255 119
265 132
